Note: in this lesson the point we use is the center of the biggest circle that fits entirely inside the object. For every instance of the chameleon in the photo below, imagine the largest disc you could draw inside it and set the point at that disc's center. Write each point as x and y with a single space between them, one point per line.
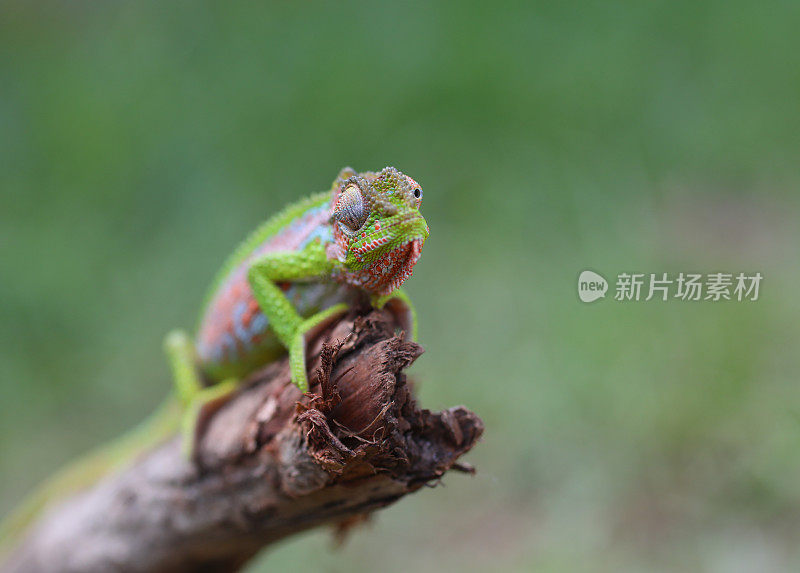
296 273
293 275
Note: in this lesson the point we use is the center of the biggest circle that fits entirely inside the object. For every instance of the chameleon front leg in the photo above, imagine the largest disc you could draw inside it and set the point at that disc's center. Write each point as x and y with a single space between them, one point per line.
400 305
198 401
297 350
290 328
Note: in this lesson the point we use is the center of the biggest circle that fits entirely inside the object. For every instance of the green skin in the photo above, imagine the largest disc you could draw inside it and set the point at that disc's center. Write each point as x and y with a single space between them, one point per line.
388 201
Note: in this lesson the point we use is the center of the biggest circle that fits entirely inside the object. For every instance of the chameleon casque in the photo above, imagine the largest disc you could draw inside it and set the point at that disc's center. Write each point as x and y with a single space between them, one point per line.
294 274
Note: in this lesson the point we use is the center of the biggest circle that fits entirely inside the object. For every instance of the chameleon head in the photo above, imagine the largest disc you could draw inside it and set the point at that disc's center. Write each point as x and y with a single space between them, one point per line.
377 228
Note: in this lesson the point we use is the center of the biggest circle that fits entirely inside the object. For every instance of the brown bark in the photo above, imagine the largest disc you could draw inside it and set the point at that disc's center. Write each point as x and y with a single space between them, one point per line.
271 463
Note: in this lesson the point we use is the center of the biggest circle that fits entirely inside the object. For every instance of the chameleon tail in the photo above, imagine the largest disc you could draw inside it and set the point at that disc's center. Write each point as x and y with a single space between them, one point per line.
89 468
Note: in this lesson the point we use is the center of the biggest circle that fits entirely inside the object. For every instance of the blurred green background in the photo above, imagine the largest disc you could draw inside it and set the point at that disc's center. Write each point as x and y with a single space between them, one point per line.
139 142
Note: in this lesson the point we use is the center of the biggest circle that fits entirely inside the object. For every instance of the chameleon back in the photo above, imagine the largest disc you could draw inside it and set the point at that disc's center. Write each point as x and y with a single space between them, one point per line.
234 337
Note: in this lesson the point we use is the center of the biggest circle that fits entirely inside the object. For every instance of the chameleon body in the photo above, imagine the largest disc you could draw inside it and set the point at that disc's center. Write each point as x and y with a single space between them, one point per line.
234 334
297 271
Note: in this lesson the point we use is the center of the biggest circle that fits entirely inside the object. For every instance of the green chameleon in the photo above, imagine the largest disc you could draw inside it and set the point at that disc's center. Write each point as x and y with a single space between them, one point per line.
297 272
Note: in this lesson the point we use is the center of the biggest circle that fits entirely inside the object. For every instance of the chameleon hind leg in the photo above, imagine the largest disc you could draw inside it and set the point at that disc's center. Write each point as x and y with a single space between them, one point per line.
290 328
197 400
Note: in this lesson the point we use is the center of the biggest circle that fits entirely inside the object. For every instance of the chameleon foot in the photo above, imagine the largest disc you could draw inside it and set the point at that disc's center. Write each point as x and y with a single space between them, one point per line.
400 306
307 328
202 406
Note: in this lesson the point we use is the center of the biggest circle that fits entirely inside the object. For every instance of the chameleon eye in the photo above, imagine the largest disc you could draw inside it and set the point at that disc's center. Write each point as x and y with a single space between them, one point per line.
350 209
418 193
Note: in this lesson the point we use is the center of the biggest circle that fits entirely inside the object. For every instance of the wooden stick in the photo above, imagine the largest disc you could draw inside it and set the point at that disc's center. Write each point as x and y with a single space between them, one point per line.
271 463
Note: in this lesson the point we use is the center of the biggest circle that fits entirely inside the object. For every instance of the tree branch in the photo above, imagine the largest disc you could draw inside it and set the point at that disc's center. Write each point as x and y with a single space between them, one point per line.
271 463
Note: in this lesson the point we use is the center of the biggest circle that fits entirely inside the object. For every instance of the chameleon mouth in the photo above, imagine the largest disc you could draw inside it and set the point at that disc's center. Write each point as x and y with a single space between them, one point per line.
391 265
400 263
